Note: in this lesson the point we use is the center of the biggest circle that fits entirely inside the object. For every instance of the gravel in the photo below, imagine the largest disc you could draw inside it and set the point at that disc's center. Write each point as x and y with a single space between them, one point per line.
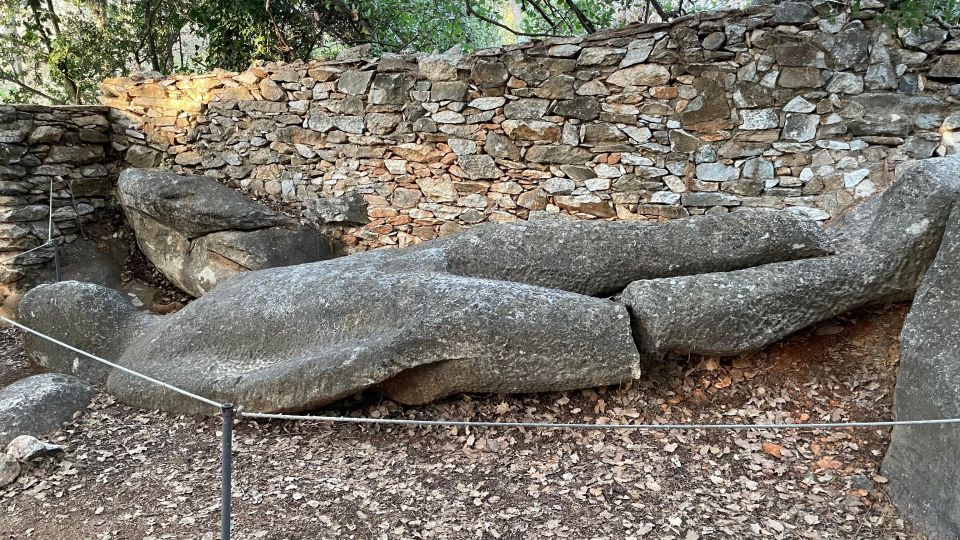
127 473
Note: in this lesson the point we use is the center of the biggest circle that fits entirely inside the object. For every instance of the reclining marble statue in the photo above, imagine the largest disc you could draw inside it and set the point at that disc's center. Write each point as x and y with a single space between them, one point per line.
546 306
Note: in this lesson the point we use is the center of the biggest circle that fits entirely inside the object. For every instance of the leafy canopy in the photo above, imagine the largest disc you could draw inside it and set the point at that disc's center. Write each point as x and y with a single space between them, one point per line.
58 51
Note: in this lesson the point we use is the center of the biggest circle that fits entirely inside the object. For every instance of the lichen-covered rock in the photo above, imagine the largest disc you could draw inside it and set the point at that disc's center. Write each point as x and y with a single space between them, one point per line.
731 312
921 463
41 404
199 232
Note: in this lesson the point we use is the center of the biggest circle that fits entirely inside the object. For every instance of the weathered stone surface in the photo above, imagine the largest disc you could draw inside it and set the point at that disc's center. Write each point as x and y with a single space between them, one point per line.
199 232
525 338
792 13
348 208
106 335
610 255
921 461
850 50
488 74
716 172
732 312
76 155
526 109
390 88
640 75
800 127
479 166
890 113
25 448
501 147
9 469
559 154
270 90
521 274
41 404
947 67
354 82
448 91
193 205
759 119
800 77
581 108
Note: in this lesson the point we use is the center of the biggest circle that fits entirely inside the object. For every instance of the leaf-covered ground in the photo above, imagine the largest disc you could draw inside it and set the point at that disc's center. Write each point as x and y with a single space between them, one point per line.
146 475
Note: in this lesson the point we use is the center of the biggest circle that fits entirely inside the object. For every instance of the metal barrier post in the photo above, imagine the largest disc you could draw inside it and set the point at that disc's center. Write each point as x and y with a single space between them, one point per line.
57 272
226 468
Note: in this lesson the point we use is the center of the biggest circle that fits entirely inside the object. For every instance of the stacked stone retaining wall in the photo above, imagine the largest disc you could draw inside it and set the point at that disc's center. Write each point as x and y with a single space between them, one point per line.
69 147
806 106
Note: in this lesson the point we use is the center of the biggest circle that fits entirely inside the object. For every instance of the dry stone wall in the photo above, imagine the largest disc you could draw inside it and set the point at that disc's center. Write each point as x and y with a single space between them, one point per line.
68 146
800 105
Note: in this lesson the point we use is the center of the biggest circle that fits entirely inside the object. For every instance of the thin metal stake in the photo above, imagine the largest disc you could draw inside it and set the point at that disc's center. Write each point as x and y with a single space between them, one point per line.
57 272
226 483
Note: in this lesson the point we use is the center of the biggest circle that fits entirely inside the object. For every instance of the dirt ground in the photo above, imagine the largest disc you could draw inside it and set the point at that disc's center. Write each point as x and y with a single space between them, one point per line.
131 474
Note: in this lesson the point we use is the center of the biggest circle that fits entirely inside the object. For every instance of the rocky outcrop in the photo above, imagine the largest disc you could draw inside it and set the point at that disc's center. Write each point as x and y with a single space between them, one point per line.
199 232
495 309
921 464
41 404
888 249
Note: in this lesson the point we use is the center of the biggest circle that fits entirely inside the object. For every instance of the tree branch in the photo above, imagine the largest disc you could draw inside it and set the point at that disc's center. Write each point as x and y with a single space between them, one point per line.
584 20
5 77
472 13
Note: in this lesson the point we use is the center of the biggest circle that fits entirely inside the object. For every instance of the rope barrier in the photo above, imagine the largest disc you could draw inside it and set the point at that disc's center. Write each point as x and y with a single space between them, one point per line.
489 424
22 253
113 365
561 425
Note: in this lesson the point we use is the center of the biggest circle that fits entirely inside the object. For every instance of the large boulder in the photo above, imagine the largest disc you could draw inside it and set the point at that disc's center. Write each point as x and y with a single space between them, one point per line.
887 250
921 463
198 232
501 308
41 404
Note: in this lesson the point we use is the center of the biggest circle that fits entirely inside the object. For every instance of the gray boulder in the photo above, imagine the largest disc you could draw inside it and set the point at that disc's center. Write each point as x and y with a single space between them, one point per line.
89 317
728 313
41 404
198 232
921 463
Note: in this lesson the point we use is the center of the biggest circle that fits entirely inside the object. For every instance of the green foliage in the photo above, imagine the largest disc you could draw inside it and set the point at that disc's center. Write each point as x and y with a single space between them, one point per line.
248 30
917 14
58 52
61 56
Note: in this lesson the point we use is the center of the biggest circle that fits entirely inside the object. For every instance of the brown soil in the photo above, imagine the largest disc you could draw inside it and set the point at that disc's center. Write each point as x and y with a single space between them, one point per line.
133 474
